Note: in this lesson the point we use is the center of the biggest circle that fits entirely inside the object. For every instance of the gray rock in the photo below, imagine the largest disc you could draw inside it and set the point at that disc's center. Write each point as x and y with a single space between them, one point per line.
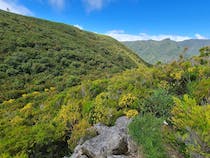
117 156
122 122
101 128
83 156
111 142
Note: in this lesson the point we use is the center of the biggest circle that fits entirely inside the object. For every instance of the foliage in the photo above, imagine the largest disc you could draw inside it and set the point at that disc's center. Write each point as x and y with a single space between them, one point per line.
127 101
159 103
79 131
36 54
146 131
201 91
56 81
68 115
193 124
102 111
131 113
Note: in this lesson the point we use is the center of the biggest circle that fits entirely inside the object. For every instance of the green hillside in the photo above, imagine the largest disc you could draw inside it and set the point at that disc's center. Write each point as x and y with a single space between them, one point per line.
57 81
166 50
50 123
37 54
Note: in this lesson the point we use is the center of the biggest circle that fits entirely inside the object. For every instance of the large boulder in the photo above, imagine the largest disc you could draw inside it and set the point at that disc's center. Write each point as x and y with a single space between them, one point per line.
111 142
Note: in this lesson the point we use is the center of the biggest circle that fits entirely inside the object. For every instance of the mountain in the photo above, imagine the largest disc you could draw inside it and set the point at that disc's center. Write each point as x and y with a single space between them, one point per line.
166 50
41 63
59 85
36 54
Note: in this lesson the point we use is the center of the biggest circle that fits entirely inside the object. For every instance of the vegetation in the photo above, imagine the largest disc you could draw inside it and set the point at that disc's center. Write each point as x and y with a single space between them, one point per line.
192 123
146 131
166 50
53 119
37 54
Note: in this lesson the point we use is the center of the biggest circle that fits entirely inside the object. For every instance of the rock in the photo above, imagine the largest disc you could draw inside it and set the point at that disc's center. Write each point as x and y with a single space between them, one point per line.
100 128
83 156
118 156
111 142
122 122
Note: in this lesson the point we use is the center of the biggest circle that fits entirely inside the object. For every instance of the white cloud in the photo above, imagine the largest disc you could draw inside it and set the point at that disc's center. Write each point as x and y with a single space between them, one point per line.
89 4
79 27
95 4
13 6
58 4
198 36
120 35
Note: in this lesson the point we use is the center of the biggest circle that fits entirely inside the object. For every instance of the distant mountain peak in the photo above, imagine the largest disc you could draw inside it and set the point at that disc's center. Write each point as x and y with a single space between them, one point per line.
167 39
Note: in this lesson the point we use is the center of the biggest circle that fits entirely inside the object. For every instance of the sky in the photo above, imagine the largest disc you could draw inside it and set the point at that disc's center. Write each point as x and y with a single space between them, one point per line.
125 20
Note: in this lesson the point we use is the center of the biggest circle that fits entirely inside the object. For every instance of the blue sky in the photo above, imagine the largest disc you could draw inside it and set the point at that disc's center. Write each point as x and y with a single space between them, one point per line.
124 19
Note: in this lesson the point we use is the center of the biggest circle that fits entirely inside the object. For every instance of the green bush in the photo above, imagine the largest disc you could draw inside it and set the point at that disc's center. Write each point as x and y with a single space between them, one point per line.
192 126
159 103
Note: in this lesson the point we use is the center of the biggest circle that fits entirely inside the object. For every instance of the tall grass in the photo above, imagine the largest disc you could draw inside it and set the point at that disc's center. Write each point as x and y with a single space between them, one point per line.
146 131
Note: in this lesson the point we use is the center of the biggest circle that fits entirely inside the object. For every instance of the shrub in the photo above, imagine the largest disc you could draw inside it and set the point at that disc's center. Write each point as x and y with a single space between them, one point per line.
27 108
131 113
68 115
9 101
177 75
127 101
79 130
201 91
103 114
192 123
17 120
103 110
72 81
159 103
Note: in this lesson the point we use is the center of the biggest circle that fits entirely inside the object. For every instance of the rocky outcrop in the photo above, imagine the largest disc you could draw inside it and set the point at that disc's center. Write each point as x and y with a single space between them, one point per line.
111 142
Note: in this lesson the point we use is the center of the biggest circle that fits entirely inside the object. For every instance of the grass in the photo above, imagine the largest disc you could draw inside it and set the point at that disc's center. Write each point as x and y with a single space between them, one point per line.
146 131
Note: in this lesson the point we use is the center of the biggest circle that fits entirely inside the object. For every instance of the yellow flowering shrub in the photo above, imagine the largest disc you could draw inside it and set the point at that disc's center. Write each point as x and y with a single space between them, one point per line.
27 108
163 84
102 110
35 93
127 101
203 71
79 131
9 101
52 88
131 113
24 95
191 69
193 122
46 90
177 75
68 115
16 120
102 114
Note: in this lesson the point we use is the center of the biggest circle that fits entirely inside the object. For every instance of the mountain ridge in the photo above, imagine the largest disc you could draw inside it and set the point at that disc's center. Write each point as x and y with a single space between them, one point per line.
166 50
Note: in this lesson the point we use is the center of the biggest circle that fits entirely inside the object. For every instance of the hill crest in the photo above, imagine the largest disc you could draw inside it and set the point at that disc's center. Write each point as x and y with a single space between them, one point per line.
166 50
